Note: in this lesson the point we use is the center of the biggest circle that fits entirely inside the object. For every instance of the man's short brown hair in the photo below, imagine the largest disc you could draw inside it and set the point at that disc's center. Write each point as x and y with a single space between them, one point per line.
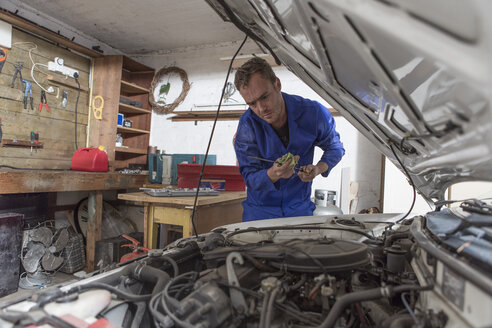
254 65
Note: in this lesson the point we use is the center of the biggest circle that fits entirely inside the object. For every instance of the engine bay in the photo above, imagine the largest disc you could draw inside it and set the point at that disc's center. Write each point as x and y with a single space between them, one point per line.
342 271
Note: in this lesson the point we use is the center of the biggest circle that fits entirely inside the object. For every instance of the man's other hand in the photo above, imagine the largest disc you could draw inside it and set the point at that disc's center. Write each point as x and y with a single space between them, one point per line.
309 172
285 171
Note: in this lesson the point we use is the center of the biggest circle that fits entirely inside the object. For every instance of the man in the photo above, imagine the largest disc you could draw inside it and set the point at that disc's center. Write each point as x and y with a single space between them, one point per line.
277 123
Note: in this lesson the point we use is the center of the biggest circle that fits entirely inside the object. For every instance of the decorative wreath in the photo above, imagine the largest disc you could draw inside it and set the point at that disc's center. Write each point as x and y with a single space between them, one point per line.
168 108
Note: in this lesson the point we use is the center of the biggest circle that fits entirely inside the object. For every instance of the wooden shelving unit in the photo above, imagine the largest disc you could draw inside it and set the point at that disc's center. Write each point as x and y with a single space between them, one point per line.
115 77
131 150
129 109
132 88
122 129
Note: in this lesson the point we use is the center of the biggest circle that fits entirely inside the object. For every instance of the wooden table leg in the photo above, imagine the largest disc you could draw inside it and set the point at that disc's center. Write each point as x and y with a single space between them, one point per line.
151 227
146 225
95 208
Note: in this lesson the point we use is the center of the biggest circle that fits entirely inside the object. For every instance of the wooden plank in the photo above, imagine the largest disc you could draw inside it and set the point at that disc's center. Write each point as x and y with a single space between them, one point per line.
20 55
134 66
122 129
131 150
132 88
45 51
223 197
42 53
13 182
210 217
224 115
107 76
66 82
21 143
129 109
192 119
41 31
94 222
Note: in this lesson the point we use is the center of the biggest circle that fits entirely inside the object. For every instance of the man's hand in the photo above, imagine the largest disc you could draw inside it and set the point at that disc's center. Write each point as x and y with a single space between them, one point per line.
309 172
284 171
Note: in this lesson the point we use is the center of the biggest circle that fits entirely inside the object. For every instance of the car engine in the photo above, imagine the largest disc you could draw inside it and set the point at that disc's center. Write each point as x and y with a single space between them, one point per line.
343 272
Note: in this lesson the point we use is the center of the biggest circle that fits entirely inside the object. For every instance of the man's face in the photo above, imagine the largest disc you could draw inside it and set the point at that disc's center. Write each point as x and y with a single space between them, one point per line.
265 99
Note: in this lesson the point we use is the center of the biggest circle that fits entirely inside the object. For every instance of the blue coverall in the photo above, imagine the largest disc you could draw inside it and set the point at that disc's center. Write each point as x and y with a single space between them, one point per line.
310 124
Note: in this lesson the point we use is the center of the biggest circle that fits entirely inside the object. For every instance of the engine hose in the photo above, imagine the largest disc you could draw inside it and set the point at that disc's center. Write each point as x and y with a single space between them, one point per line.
399 235
139 313
173 264
150 274
264 306
269 310
362 296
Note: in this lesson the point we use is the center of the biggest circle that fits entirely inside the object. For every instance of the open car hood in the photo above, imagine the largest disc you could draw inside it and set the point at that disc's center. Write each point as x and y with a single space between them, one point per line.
413 76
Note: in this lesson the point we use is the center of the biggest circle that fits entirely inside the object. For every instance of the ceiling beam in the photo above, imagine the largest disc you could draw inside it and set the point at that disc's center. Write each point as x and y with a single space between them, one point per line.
31 27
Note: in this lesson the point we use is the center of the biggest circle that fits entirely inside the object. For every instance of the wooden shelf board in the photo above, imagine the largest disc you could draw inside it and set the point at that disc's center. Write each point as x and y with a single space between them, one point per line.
69 82
131 150
207 115
21 143
131 130
224 115
15 182
134 66
132 88
129 109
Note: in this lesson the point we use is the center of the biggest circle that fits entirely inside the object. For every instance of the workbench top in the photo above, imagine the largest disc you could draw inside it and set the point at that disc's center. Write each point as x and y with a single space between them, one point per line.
224 196
27 181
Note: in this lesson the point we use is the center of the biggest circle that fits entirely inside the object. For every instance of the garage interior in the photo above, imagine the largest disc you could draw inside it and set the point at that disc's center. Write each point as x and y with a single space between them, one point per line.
134 50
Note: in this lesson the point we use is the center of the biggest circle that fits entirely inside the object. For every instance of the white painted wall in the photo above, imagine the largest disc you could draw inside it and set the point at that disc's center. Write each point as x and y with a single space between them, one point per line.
206 73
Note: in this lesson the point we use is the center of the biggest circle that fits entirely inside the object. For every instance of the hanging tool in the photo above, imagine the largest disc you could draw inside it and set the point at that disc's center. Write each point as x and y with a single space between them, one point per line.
34 140
43 101
3 57
27 90
0 129
65 99
18 70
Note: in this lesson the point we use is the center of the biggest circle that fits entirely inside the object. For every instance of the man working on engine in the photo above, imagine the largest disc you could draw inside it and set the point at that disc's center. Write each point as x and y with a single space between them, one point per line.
275 124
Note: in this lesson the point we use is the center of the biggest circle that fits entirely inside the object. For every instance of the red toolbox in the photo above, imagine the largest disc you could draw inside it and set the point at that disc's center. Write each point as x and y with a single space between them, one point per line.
188 175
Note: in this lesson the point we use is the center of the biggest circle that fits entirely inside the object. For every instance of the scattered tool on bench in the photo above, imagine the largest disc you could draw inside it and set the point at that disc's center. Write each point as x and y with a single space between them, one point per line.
43 101
27 90
3 58
18 70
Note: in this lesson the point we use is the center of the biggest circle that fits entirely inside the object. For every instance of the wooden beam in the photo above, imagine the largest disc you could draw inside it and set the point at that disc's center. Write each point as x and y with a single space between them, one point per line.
30 181
95 208
224 115
67 82
45 33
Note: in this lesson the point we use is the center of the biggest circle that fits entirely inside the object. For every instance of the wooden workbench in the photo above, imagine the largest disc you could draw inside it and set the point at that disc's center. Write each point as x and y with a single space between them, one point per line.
211 212
34 181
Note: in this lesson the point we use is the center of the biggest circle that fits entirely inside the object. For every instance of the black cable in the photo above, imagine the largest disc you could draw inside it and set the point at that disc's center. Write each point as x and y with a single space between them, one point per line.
75 75
411 183
212 134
